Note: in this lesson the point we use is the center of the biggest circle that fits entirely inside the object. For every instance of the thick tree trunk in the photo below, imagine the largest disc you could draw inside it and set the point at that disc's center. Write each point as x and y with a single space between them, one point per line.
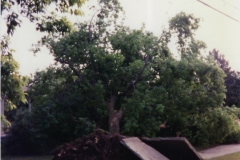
114 117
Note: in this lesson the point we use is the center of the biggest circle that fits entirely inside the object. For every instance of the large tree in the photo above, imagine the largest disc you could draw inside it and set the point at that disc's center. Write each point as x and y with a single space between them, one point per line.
123 80
126 69
55 26
12 83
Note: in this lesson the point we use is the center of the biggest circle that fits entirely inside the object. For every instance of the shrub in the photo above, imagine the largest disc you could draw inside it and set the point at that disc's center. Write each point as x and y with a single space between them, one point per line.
42 131
218 125
20 137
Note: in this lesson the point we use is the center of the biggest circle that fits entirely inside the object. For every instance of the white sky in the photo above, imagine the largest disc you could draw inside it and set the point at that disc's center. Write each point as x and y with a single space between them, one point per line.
216 30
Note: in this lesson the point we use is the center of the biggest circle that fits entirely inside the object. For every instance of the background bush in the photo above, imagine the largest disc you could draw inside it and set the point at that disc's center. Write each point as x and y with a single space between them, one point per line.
41 132
218 125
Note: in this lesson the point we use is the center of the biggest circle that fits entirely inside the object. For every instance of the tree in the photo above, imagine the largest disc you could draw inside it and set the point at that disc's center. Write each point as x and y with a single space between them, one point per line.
96 67
232 80
12 83
52 24
31 10
37 12
125 67
125 81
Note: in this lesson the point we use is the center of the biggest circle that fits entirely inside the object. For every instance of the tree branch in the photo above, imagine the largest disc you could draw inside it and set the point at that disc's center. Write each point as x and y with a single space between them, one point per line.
90 26
72 68
134 82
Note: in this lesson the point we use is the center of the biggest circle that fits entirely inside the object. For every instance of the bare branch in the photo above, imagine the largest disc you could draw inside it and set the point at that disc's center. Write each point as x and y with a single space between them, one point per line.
90 26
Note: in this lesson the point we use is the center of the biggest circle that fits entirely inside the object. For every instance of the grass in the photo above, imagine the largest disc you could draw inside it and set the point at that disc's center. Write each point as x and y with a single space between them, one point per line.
199 148
46 157
233 156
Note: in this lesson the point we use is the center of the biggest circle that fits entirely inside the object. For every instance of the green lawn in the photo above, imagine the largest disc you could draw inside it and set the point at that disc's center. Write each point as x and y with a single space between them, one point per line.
200 148
234 156
46 157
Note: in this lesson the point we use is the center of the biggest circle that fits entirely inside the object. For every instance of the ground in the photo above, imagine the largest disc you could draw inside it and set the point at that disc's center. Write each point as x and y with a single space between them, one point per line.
219 151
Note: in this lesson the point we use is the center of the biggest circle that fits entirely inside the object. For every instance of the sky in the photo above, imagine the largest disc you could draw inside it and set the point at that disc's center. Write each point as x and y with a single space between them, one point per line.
217 30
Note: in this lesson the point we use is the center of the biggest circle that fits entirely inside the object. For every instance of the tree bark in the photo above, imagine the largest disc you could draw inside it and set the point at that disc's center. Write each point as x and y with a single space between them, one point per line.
114 117
2 114
29 105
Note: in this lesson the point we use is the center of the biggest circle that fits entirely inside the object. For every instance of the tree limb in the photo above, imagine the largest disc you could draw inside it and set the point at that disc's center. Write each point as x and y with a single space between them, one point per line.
90 26
134 82
72 68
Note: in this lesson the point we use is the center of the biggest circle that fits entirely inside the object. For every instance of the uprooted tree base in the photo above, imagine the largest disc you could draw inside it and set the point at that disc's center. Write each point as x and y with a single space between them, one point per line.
97 146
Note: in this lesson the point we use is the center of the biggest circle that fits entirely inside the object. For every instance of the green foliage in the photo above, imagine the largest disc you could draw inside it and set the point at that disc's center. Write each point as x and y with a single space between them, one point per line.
151 87
107 74
53 25
84 127
190 87
218 125
143 112
20 138
232 80
57 115
111 70
12 83
61 113
5 50
184 25
136 67
5 123
31 9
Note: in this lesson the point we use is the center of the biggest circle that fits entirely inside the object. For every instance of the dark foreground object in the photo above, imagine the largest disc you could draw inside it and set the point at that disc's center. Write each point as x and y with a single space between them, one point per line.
175 148
103 146
36 157
97 146
142 150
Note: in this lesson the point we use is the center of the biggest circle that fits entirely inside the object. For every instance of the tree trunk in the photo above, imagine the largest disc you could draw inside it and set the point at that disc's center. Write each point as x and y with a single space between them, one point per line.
2 114
29 105
114 117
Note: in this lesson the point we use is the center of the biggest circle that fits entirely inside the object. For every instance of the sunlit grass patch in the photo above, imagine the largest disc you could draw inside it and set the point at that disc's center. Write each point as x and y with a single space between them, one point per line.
233 156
